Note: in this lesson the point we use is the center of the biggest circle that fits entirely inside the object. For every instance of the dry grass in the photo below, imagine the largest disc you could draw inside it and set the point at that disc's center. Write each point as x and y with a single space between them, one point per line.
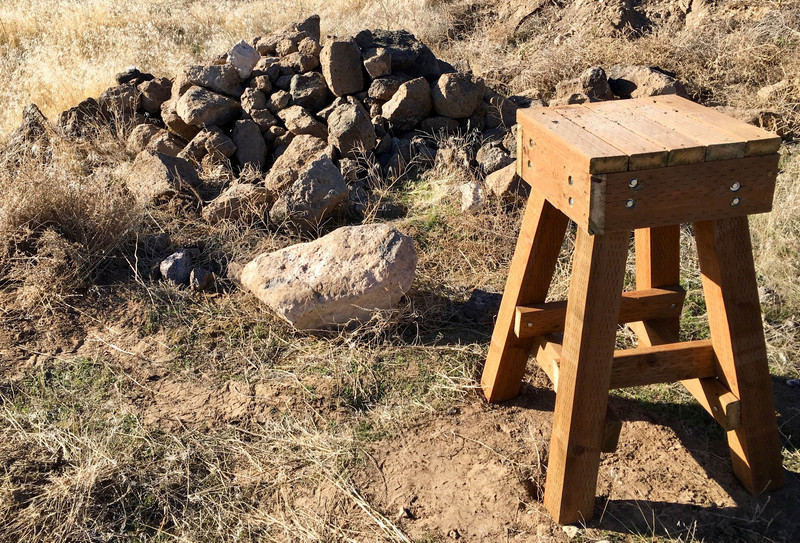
84 465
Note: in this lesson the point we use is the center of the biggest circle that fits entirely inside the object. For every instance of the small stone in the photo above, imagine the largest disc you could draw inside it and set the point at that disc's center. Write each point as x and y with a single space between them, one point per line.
156 175
166 143
220 78
377 62
141 136
279 100
154 93
175 124
250 145
300 151
177 267
309 91
309 46
299 63
316 194
200 279
384 88
473 196
244 58
239 202
350 130
218 144
630 81
286 47
132 76
409 105
299 121
591 86
507 185
491 158
571 531
500 112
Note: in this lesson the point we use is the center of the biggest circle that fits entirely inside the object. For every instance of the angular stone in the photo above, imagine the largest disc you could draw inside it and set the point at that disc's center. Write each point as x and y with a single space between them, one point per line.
350 130
119 104
409 105
156 175
456 95
166 144
499 112
385 87
377 62
240 202
341 66
154 93
200 107
299 63
220 78
218 144
350 274
309 91
316 194
252 99
591 86
507 185
301 151
31 133
278 101
250 145
177 267
175 124
310 26
473 196
200 279
630 81
81 119
310 47
491 158
244 58
299 121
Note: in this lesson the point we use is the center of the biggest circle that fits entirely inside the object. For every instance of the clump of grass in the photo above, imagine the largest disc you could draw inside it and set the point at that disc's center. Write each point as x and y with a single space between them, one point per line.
63 215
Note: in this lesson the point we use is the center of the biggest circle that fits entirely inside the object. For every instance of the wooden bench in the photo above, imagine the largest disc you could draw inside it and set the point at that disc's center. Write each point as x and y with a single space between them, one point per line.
646 165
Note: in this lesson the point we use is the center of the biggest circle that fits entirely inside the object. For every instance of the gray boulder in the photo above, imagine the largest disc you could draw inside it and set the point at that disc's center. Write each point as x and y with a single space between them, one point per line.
350 130
317 193
409 105
341 66
346 276
177 267
243 57
200 107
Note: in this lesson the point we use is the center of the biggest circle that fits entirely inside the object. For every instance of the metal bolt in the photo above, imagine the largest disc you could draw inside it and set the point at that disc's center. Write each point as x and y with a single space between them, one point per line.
633 183
530 142
570 200
735 202
530 164
570 180
672 306
736 186
530 324
631 203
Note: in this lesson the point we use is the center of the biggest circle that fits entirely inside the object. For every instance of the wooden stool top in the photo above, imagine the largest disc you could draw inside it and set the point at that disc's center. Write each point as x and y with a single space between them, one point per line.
656 161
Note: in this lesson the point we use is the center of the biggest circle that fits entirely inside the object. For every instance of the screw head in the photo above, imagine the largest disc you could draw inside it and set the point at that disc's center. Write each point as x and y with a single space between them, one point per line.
530 142
633 183
571 201
736 186
570 180
530 164
530 324
735 202
630 203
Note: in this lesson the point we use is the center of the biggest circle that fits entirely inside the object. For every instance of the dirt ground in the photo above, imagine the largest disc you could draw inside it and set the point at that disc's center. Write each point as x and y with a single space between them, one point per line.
472 473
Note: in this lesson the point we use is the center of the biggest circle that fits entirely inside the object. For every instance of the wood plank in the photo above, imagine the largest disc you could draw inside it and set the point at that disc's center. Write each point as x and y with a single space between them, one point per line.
584 376
598 155
643 154
532 267
720 145
663 364
682 149
734 317
548 318
759 141
669 196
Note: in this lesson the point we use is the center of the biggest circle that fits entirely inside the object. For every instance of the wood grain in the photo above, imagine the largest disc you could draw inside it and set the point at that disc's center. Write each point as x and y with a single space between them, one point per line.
585 374
548 318
734 317
532 267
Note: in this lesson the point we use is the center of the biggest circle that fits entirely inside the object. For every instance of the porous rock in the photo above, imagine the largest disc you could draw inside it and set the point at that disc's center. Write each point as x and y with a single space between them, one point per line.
250 145
590 86
299 62
201 107
409 105
220 78
165 143
316 194
346 275
491 158
302 150
299 121
201 279
507 185
177 267
309 91
630 81
243 57
154 92
456 95
377 62
175 124
156 175
350 129
384 88
239 202
341 66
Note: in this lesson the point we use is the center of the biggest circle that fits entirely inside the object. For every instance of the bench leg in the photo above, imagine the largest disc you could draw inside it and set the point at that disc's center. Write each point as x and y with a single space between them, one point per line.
532 267
734 317
581 401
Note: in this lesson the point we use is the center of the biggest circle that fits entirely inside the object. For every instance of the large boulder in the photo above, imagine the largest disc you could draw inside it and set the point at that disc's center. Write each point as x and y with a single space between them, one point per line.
302 150
630 81
155 176
591 86
200 107
409 105
456 95
154 92
221 78
239 202
350 130
348 275
341 66
318 192
175 124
